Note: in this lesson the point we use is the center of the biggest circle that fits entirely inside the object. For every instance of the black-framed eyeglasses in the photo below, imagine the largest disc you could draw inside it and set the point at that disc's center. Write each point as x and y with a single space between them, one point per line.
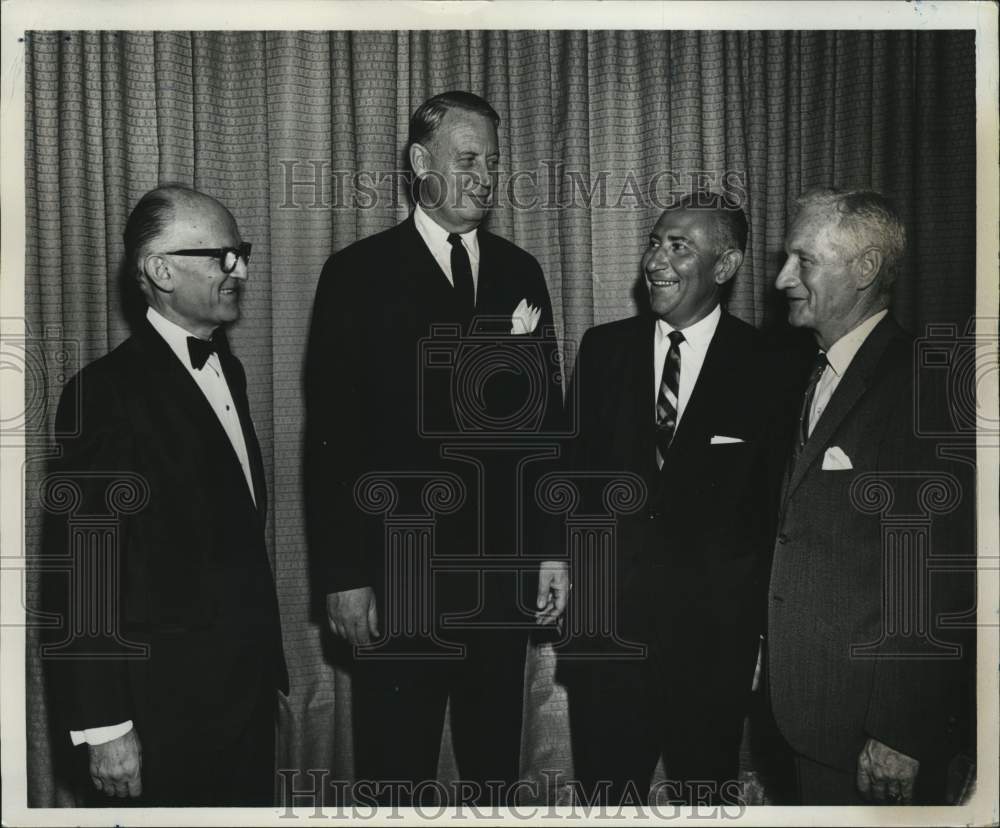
227 256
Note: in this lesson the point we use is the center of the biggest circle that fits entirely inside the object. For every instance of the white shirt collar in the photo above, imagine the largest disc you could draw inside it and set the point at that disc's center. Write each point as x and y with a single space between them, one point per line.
843 351
436 235
174 335
698 335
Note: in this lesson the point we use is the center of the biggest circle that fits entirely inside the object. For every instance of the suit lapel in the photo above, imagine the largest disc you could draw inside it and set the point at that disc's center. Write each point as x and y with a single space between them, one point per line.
486 282
846 396
704 397
641 420
236 380
423 279
170 380
493 306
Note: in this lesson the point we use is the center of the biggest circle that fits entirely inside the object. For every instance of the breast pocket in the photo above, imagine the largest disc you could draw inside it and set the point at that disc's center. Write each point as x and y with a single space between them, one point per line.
728 457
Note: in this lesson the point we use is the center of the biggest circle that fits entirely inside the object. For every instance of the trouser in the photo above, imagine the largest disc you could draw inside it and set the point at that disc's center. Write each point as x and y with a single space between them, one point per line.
625 715
399 707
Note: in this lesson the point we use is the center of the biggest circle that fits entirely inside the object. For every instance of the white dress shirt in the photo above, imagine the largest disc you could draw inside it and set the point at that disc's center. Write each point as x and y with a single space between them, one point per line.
692 350
213 385
838 358
436 239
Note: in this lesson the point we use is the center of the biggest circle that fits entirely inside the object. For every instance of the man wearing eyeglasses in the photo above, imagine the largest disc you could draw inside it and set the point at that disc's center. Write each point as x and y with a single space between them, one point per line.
175 699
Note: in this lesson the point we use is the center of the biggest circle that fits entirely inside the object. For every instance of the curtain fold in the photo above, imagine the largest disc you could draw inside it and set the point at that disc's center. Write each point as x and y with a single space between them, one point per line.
301 134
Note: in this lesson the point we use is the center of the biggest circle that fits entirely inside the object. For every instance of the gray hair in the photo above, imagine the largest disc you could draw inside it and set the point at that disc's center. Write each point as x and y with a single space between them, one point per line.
866 219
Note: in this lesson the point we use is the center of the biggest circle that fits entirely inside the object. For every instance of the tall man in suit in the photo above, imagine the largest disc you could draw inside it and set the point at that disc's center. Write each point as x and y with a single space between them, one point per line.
862 677
380 407
683 398
175 695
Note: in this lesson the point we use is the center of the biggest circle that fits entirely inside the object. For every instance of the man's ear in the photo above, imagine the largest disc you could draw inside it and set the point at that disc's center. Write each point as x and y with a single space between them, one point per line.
419 159
727 264
157 271
869 265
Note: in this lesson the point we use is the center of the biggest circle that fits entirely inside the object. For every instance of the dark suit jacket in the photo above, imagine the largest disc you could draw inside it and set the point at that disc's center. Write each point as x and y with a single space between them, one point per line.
827 583
384 393
692 564
194 583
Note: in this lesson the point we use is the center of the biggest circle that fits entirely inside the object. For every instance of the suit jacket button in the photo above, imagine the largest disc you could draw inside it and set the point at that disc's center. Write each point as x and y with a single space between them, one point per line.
652 514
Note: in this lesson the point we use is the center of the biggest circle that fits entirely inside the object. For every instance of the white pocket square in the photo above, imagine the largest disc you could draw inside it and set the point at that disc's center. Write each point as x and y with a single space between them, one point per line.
836 460
722 439
525 318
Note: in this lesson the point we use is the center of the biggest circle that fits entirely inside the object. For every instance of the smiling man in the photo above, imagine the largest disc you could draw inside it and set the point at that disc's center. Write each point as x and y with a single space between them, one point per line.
376 408
173 692
683 397
865 679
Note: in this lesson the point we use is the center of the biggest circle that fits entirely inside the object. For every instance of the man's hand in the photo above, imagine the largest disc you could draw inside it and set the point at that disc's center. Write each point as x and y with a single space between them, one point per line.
751 788
553 591
886 775
116 766
352 615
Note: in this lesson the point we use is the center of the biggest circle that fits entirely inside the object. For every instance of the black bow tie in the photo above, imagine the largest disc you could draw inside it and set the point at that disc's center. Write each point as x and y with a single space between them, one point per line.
199 350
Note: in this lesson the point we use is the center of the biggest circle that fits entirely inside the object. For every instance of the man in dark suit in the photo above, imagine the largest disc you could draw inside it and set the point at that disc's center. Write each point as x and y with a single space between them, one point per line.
171 674
862 675
684 398
432 368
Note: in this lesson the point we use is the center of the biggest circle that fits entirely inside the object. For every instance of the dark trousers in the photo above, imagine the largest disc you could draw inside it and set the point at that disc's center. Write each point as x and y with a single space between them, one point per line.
399 707
819 784
624 716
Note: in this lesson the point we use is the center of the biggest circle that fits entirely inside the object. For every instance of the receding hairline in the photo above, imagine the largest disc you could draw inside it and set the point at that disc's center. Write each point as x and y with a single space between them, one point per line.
187 206
184 197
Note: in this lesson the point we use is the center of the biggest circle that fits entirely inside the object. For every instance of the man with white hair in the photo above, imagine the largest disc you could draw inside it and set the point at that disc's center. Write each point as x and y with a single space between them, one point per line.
862 674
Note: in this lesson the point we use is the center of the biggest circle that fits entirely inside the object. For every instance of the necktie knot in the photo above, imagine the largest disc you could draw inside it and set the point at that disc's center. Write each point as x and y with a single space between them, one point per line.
819 365
199 350
454 239
676 338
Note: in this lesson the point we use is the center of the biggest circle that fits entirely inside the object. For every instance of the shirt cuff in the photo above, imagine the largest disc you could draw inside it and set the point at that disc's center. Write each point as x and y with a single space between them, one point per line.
100 735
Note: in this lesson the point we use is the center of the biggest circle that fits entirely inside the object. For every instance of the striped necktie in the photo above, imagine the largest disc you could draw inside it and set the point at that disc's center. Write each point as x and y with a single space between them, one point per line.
666 399
817 371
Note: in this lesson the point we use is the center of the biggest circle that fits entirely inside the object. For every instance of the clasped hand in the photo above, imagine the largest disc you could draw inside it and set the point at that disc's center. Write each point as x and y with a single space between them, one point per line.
886 775
352 615
116 766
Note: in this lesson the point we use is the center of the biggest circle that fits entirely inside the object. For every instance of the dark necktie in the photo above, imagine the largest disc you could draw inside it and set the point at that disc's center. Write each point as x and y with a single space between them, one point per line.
200 350
666 399
817 371
461 273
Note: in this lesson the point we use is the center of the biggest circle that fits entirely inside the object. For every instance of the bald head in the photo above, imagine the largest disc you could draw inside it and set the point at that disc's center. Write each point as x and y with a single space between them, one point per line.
156 213
175 240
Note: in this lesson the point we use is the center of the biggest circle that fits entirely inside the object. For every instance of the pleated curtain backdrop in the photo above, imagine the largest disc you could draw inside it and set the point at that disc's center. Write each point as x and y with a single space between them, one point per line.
241 115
